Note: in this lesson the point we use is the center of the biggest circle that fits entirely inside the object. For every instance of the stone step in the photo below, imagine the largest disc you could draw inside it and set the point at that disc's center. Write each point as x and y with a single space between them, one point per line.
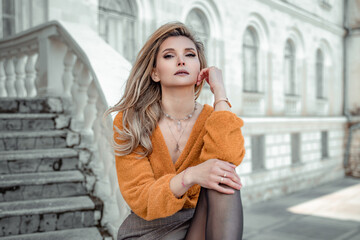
26 186
24 217
32 121
74 234
33 140
31 105
26 122
47 160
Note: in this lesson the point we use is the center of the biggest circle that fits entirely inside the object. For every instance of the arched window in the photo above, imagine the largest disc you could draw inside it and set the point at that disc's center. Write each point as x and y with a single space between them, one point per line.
319 74
8 17
198 22
117 24
290 76
250 61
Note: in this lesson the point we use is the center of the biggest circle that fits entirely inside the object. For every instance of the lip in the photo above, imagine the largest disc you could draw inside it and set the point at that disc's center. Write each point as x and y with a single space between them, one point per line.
182 71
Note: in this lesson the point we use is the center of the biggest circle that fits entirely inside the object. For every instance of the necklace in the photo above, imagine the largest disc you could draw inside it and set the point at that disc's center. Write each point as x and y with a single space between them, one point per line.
177 148
178 121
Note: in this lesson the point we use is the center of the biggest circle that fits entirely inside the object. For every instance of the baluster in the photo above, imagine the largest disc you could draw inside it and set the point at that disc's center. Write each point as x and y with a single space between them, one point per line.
37 74
90 113
81 98
76 73
20 76
30 75
3 92
68 78
10 77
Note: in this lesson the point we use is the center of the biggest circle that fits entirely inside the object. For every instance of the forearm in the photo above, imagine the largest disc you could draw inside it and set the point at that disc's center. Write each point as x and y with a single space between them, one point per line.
181 182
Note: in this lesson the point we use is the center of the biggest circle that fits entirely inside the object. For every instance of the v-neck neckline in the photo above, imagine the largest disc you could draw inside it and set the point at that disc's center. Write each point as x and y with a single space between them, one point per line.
195 128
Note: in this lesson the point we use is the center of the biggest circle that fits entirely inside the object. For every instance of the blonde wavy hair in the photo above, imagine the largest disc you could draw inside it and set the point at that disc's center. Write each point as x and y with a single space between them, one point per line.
140 103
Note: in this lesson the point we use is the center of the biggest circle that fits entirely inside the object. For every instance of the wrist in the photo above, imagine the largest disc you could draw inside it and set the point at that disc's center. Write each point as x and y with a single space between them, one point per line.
187 177
219 93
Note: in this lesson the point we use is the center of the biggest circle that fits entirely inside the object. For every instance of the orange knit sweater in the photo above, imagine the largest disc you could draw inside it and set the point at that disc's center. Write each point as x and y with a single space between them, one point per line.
145 183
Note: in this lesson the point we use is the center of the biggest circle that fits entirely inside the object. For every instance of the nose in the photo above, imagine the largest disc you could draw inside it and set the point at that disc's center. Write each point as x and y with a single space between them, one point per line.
181 62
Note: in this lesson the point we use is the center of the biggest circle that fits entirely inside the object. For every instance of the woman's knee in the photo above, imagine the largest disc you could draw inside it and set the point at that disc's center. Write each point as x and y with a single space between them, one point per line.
218 196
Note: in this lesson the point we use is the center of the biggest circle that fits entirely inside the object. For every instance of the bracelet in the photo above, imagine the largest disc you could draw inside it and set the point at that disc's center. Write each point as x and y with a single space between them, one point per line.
222 99
182 180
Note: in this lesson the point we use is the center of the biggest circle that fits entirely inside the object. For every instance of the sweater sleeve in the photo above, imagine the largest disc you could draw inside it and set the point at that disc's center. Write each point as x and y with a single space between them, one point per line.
223 139
149 198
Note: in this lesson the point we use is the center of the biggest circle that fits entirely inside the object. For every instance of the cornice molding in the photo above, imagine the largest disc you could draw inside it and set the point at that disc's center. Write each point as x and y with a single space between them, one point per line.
305 16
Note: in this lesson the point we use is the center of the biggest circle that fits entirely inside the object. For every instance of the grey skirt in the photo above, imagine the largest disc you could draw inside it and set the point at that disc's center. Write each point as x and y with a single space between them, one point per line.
173 227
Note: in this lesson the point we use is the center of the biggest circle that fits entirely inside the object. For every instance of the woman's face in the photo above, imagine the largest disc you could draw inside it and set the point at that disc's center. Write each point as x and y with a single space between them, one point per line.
177 63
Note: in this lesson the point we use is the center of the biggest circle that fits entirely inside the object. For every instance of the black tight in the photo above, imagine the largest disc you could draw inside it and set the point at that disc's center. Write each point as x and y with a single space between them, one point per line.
217 216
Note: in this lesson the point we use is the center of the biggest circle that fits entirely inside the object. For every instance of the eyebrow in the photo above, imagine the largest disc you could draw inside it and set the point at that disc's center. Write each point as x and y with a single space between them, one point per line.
174 49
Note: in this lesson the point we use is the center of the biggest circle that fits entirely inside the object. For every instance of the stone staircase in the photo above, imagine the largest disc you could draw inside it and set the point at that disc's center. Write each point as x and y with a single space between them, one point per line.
43 194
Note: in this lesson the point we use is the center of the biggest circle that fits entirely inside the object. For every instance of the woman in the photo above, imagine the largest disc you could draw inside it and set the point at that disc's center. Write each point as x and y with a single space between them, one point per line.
172 153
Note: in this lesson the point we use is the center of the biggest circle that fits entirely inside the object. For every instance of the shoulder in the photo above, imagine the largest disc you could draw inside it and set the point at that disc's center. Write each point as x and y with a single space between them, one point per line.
118 119
208 110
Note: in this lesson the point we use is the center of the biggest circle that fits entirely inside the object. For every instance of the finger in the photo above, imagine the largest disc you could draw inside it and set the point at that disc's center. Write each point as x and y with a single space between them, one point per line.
226 167
221 189
231 164
233 177
230 183
230 171
202 73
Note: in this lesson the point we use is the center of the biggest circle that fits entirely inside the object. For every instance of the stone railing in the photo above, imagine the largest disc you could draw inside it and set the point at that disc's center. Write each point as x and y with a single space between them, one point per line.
322 106
72 62
292 105
253 103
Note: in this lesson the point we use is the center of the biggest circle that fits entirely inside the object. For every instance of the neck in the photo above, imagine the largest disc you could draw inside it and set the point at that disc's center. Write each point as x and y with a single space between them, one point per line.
178 102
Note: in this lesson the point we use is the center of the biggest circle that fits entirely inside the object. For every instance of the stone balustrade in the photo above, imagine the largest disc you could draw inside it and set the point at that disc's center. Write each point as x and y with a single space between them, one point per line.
253 103
51 60
322 106
292 105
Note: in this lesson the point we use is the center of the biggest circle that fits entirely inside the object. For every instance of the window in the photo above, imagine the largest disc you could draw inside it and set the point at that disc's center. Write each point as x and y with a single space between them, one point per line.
257 152
319 74
324 145
200 25
8 15
295 148
250 63
117 24
290 81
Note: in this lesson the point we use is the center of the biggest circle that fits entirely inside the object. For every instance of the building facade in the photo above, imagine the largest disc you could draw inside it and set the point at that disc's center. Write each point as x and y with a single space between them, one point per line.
282 62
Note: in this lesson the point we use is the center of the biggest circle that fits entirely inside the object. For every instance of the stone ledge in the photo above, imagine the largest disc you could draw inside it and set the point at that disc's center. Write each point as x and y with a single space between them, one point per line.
40 178
44 206
31 105
80 233
34 154
26 115
15 134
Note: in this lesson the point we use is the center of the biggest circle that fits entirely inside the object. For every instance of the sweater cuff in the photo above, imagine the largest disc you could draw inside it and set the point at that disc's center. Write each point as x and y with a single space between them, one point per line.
175 203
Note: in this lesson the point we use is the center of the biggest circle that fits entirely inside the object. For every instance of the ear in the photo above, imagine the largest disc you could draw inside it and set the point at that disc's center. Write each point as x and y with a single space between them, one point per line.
154 75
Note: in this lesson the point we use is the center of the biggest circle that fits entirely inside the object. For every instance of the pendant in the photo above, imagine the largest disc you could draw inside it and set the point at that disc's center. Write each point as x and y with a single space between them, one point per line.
177 148
179 126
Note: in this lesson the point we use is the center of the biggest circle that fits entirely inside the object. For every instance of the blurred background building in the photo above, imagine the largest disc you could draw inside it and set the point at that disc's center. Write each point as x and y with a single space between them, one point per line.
291 70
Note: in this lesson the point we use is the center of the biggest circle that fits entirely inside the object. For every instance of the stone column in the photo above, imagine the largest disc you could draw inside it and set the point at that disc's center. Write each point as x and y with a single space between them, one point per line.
353 56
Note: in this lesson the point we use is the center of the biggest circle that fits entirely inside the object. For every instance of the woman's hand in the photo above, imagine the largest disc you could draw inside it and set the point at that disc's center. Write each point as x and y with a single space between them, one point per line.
213 173
213 76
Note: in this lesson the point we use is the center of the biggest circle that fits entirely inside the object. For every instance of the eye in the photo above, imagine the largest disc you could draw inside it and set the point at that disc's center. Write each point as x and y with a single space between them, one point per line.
168 56
190 55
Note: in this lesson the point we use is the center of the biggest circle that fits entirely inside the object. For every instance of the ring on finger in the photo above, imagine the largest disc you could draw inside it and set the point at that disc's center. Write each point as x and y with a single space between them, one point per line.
221 179
225 175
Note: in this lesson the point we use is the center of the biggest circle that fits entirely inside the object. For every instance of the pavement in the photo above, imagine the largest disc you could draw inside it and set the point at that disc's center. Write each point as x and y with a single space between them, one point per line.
327 212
